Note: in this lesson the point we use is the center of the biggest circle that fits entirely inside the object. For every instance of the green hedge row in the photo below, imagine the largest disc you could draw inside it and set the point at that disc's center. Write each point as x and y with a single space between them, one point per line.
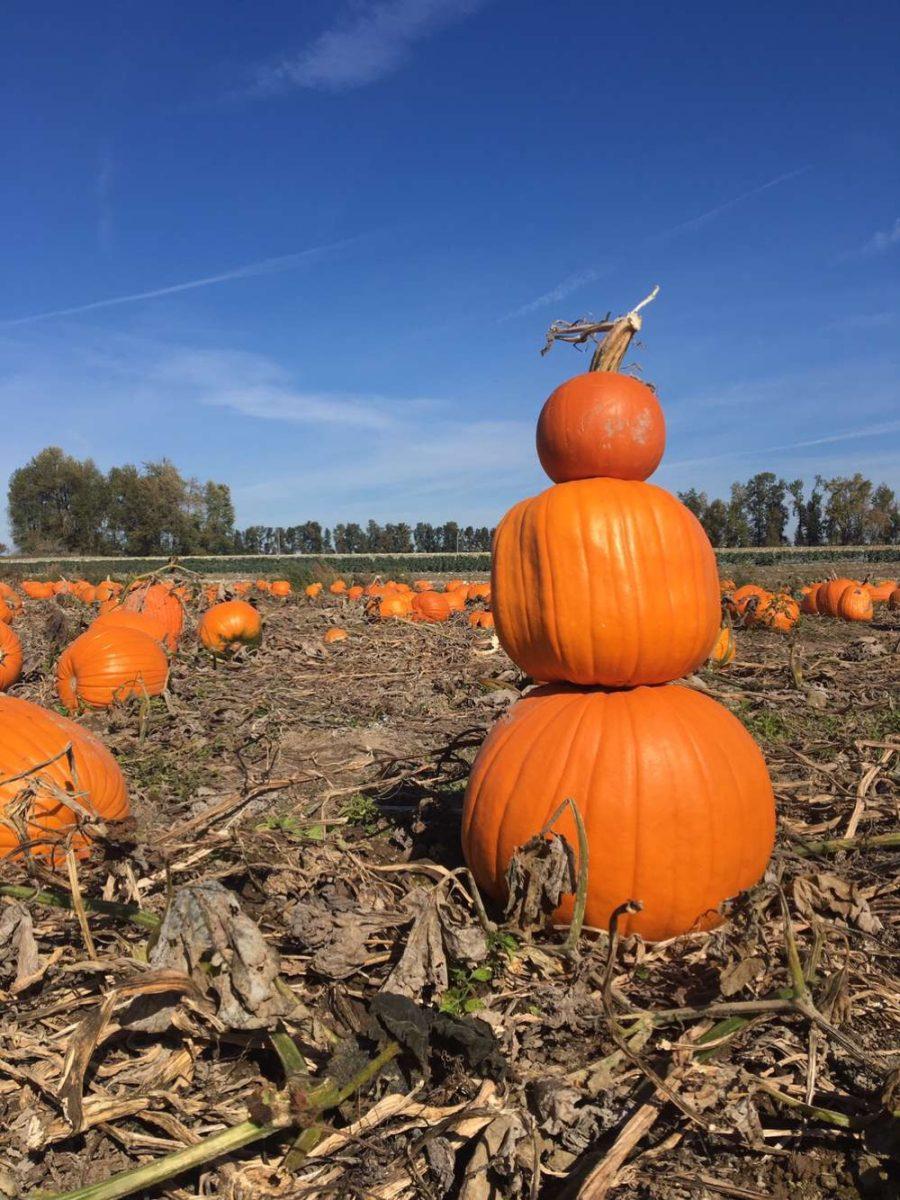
301 568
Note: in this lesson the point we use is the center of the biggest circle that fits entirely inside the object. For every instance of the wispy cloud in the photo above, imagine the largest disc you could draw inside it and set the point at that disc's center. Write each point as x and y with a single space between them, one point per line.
880 430
266 266
573 283
884 240
364 45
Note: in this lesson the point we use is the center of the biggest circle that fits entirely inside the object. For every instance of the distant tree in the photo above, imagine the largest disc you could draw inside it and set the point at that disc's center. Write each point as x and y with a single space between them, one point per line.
881 524
58 503
715 522
426 538
737 527
767 513
846 509
217 523
697 502
448 537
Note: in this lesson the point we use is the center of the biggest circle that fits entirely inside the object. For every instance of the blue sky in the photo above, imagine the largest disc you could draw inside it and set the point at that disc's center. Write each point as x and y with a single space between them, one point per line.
312 248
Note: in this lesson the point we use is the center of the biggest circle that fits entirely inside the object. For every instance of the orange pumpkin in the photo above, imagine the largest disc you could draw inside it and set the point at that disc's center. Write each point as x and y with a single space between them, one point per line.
423 585
478 591
10 658
282 587
338 587
242 587
481 619
601 423
881 591
10 598
158 601
355 592
829 595
432 606
605 581
44 757
809 602
394 606
312 591
741 597
109 664
334 635
225 626
726 585
855 604
455 585
123 619
61 587
723 652
262 585
6 613
674 794
37 589
780 613
107 590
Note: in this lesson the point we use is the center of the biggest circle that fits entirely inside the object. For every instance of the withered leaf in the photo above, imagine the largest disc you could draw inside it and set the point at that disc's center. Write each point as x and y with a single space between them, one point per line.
540 874
18 948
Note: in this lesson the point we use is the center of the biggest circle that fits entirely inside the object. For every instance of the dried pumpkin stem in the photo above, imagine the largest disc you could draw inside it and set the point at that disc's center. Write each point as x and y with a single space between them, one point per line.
124 912
617 337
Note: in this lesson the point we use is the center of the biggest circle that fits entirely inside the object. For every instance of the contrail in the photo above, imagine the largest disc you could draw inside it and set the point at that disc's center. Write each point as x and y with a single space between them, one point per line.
848 435
266 266
696 222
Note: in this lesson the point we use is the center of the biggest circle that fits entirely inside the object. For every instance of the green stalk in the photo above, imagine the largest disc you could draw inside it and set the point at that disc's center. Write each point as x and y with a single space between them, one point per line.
124 912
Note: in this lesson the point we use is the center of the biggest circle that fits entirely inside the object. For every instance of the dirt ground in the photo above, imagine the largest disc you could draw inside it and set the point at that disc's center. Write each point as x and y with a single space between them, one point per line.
313 793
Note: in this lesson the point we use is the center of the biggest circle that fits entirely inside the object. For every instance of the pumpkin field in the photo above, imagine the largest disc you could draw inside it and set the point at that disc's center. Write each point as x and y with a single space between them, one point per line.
295 810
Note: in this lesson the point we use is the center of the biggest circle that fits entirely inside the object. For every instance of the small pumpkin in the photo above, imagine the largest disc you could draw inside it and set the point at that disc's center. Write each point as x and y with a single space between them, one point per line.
674 794
10 598
338 587
855 604
780 612
396 605
282 587
44 757
110 664
423 585
242 587
355 592
10 658
601 423
225 626
725 648
107 590
334 635
262 585
741 597
881 591
478 591
480 619
312 591
809 604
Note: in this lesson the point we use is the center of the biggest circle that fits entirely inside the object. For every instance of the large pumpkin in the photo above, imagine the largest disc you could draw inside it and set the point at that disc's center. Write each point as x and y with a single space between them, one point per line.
44 757
109 664
829 595
10 658
157 600
227 625
674 794
601 423
124 619
605 581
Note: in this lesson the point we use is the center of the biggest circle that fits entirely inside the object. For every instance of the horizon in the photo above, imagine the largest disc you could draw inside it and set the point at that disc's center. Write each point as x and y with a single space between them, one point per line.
315 256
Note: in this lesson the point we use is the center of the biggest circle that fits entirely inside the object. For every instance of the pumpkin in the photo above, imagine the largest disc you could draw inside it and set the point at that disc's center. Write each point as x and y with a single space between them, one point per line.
10 658
741 597
855 604
881 591
233 623
44 756
334 635
6 613
109 664
478 591
724 650
338 587
456 598
262 585
355 592
894 600
423 585
674 794
10 598
601 423
481 619
107 590
124 619
158 601
36 589
779 612
605 581
726 585
312 591
61 587
242 587
809 602
396 605
829 595
432 606
454 585
282 588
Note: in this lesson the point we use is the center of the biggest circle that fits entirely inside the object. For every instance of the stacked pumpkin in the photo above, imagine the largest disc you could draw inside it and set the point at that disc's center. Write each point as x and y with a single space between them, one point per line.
605 589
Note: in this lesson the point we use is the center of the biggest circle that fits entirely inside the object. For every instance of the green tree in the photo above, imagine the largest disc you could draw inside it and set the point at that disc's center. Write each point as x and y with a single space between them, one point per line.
737 528
217 526
766 510
57 503
715 522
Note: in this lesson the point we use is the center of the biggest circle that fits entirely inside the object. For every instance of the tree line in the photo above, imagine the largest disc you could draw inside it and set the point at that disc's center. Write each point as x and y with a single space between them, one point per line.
831 512
63 505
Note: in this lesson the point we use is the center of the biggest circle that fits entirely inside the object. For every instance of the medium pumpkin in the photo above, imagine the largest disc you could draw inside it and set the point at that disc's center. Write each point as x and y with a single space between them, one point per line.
855 604
481 619
43 757
605 581
312 591
107 590
110 664
158 601
334 635
829 595
10 658
809 603
225 626
355 592
674 794
338 587
36 589
396 605
242 587
780 612
282 587
432 606
601 423
10 598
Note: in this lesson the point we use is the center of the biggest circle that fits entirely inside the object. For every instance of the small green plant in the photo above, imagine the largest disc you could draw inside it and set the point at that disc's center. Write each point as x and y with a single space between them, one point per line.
765 724
362 811
294 827
463 994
